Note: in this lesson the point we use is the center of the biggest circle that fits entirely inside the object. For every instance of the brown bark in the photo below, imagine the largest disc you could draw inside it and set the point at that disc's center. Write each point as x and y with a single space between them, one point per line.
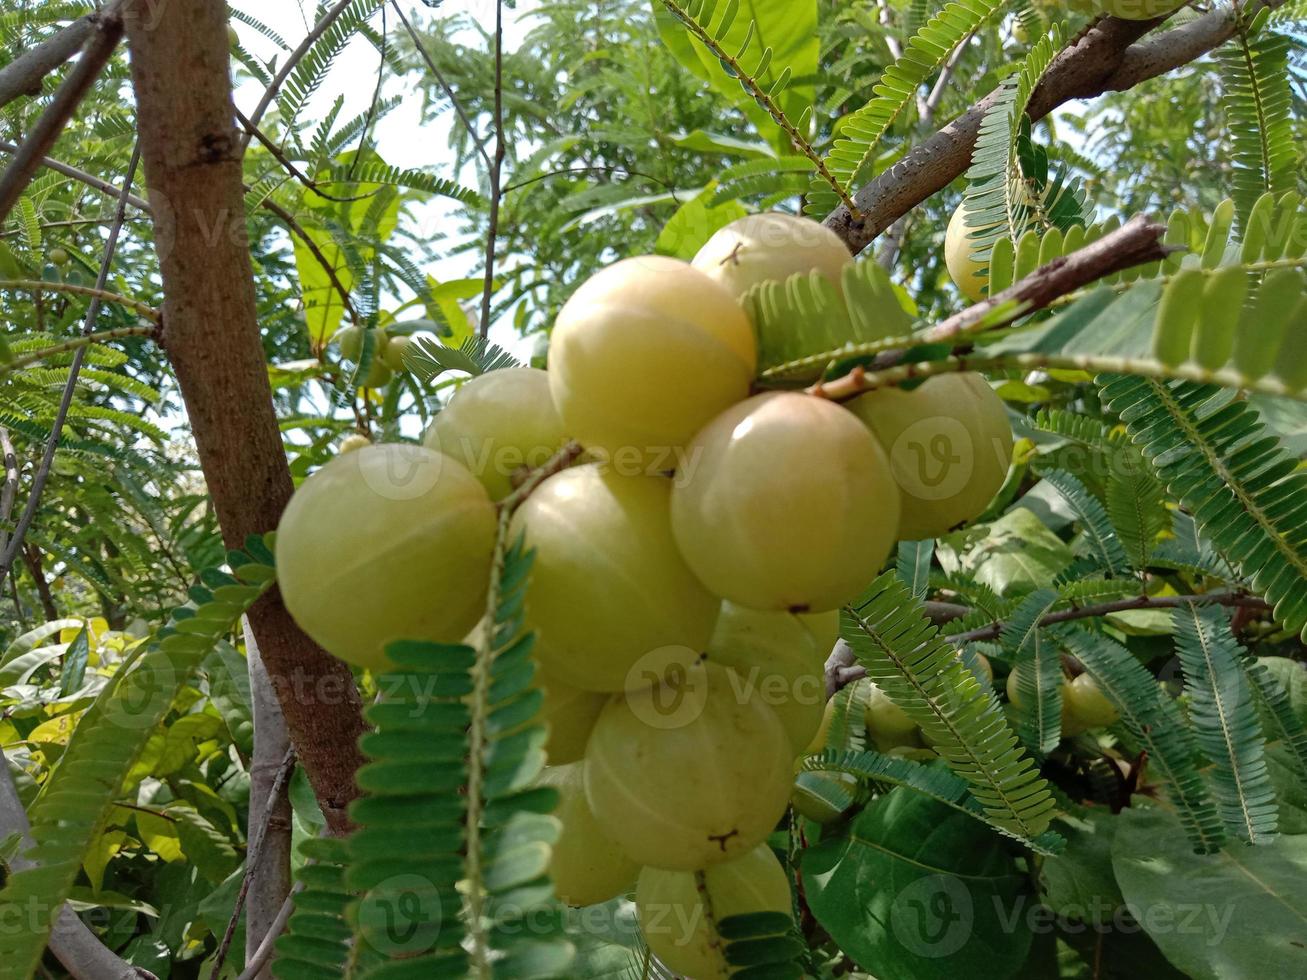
32 559
192 157
1106 57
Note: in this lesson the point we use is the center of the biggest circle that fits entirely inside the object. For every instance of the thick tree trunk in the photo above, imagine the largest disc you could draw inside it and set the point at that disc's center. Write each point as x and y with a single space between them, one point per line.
192 157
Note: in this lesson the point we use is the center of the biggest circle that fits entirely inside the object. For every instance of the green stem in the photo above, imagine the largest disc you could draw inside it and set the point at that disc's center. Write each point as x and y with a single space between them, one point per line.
41 286
103 336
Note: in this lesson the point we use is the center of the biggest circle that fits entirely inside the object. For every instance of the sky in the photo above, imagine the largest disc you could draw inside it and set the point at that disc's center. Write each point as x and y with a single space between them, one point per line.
354 76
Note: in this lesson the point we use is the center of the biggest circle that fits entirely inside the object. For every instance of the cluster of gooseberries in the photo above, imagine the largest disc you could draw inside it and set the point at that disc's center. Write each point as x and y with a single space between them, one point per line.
688 569
387 352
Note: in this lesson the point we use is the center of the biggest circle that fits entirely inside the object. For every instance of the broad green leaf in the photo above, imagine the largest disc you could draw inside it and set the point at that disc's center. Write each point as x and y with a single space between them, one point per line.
694 223
918 890
1240 913
1015 554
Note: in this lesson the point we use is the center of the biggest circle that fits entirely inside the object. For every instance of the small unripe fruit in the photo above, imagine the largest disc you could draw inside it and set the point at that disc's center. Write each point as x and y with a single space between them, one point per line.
608 586
775 658
59 257
964 270
688 774
378 376
587 866
350 341
570 714
809 801
496 424
949 445
233 39
352 443
772 247
644 354
676 924
887 723
387 543
1086 702
789 504
392 352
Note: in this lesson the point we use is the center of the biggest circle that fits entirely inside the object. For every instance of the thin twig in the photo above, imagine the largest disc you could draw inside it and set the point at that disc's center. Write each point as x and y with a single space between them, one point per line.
299 231
90 180
255 964
251 862
1134 243
445 87
101 337
104 295
496 172
292 60
280 156
108 32
61 415
842 668
9 489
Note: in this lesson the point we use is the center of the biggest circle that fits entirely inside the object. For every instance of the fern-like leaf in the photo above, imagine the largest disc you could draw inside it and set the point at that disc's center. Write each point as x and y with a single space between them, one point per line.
1039 679
699 17
76 800
316 943
861 133
1099 536
455 757
1154 723
804 323
1225 722
1242 488
1258 102
935 781
1271 695
921 672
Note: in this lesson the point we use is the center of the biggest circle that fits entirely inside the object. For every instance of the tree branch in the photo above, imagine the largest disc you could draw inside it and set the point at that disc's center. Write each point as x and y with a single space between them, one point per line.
1134 243
269 877
72 942
66 400
842 667
192 155
1104 58
292 60
24 75
254 853
496 172
108 30
90 180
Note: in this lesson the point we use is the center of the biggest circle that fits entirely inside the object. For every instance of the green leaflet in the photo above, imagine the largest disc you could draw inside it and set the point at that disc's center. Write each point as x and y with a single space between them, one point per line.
804 325
916 667
1225 722
1240 485
861 133
1039 678
1154 722
75 800
1258 102
454 758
